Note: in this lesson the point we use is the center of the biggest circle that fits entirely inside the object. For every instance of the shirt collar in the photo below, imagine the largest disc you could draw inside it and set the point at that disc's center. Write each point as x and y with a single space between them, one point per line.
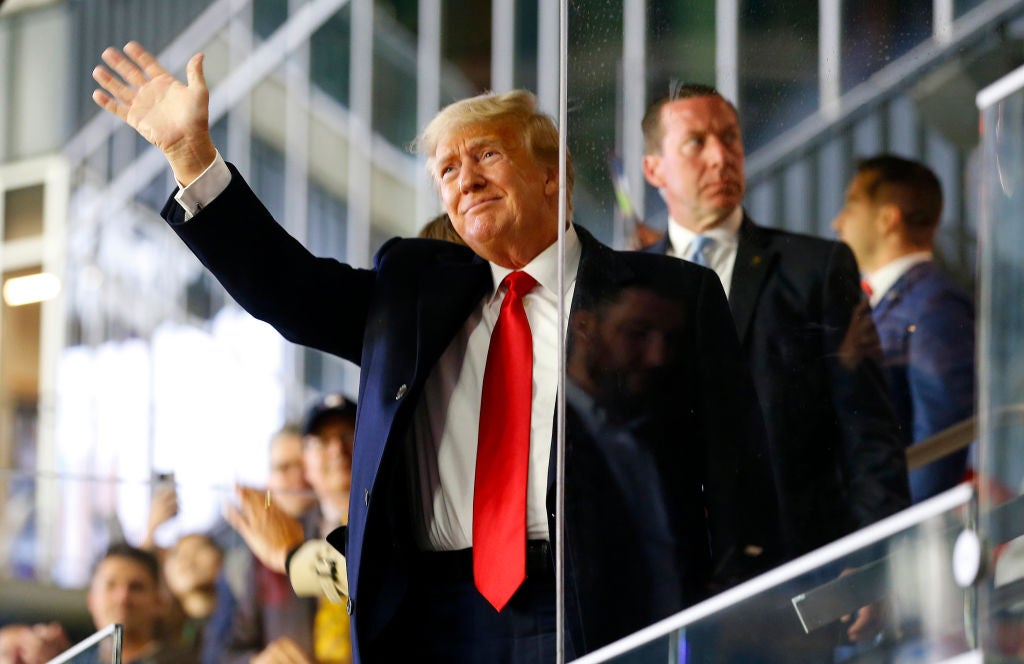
725 233
544 267
885 277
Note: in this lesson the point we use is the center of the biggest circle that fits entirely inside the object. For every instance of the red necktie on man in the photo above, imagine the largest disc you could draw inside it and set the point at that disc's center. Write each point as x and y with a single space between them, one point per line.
503 450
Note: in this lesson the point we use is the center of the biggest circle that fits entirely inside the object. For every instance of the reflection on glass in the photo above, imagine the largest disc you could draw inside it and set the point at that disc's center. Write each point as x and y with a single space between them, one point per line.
778 49
877 33
1001 372
898 590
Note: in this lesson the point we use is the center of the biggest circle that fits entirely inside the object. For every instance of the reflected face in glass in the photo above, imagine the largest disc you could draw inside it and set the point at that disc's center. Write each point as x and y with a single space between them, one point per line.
122 591
191 564
501 201
287 477
699 169
626 346
857 223
328 456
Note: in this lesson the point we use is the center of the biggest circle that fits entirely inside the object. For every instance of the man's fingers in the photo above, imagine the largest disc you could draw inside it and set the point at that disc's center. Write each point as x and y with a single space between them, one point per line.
113 86
107 103
125 68
144 59
194 72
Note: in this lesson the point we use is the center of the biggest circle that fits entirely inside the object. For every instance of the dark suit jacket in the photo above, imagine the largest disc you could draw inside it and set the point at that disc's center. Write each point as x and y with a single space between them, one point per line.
396 319
926 325
836 458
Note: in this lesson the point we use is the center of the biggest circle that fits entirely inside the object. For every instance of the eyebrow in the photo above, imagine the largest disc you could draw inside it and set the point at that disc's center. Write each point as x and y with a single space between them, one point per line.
472 145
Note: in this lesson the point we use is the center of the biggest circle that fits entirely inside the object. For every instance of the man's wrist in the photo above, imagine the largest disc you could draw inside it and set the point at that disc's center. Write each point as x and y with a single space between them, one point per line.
191 160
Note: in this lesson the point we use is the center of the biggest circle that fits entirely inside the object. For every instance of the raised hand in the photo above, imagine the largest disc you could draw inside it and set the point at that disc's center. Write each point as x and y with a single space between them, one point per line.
169 114
270 533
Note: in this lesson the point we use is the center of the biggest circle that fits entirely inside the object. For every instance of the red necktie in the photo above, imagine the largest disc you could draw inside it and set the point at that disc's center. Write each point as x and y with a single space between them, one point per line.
865 286
503 450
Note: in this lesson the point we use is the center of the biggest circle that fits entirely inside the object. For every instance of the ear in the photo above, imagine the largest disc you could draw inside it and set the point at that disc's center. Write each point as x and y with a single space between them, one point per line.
551 183
889 219
652 170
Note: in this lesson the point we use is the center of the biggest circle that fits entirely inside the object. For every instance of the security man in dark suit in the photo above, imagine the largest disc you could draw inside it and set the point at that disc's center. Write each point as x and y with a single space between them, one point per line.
422 324
801 319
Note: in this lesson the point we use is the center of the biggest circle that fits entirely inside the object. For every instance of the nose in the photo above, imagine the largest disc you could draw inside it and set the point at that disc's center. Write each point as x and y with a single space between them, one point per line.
716 151
655 351
837 223
470 177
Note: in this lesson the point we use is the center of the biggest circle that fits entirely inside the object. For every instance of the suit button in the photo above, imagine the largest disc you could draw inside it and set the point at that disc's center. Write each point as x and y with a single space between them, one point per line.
366 496
401 392
349 606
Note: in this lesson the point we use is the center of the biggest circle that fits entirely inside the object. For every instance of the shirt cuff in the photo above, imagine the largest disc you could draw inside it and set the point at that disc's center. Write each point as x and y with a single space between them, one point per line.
317 568
210 184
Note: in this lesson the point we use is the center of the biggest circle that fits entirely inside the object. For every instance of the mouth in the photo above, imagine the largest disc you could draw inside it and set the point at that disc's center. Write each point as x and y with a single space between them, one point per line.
479 203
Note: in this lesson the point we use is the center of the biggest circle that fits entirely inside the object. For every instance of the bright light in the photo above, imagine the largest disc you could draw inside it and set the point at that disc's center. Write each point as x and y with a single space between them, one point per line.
30 288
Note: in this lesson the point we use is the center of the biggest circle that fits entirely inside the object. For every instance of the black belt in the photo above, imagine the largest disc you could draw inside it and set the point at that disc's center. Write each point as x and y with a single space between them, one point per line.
458 565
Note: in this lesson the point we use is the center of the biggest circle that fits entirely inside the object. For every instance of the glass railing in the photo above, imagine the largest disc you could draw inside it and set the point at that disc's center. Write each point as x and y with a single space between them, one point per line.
884 593
101 648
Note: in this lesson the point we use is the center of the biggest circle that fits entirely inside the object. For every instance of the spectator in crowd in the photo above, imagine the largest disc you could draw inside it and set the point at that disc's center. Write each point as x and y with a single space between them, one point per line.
271 623
925 321
191 568
125 589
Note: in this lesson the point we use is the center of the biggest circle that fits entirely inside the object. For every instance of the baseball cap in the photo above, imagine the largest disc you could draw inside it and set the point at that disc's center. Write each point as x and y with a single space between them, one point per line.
326 406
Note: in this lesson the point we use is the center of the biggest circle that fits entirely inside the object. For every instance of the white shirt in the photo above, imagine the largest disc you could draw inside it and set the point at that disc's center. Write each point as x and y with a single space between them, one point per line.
445 426
721 255
446 421
884 278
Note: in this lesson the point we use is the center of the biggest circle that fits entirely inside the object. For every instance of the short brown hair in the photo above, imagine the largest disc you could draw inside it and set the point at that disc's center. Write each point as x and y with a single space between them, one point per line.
654 130
909 185
518 107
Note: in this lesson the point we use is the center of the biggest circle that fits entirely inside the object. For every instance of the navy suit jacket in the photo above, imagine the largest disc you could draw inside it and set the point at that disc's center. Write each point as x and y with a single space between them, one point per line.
396 319
926 325
837 461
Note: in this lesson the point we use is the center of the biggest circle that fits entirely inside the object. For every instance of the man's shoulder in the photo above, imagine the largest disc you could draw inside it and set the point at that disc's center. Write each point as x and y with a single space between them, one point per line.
797 242
410 253
928 288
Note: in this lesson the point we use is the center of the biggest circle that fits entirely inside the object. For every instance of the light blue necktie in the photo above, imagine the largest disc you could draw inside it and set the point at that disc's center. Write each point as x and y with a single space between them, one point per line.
700 250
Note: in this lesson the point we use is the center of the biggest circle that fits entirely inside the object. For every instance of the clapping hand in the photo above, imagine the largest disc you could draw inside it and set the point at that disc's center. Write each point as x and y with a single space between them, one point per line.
270 532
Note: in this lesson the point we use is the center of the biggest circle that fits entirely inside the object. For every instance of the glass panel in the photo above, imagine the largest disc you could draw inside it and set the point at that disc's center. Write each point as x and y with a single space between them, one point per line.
23 212
1001 371
893 589
877 33
778 52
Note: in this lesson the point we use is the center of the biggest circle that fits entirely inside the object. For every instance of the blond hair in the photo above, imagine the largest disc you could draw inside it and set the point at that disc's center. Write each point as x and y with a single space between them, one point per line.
517 108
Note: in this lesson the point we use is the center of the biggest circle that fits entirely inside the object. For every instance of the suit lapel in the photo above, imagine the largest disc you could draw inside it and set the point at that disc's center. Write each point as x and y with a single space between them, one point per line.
754 261
902 285
447 296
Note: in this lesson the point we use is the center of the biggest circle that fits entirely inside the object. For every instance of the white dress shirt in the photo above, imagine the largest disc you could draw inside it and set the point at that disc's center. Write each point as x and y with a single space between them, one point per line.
884 278
444 434
721 255
443 437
